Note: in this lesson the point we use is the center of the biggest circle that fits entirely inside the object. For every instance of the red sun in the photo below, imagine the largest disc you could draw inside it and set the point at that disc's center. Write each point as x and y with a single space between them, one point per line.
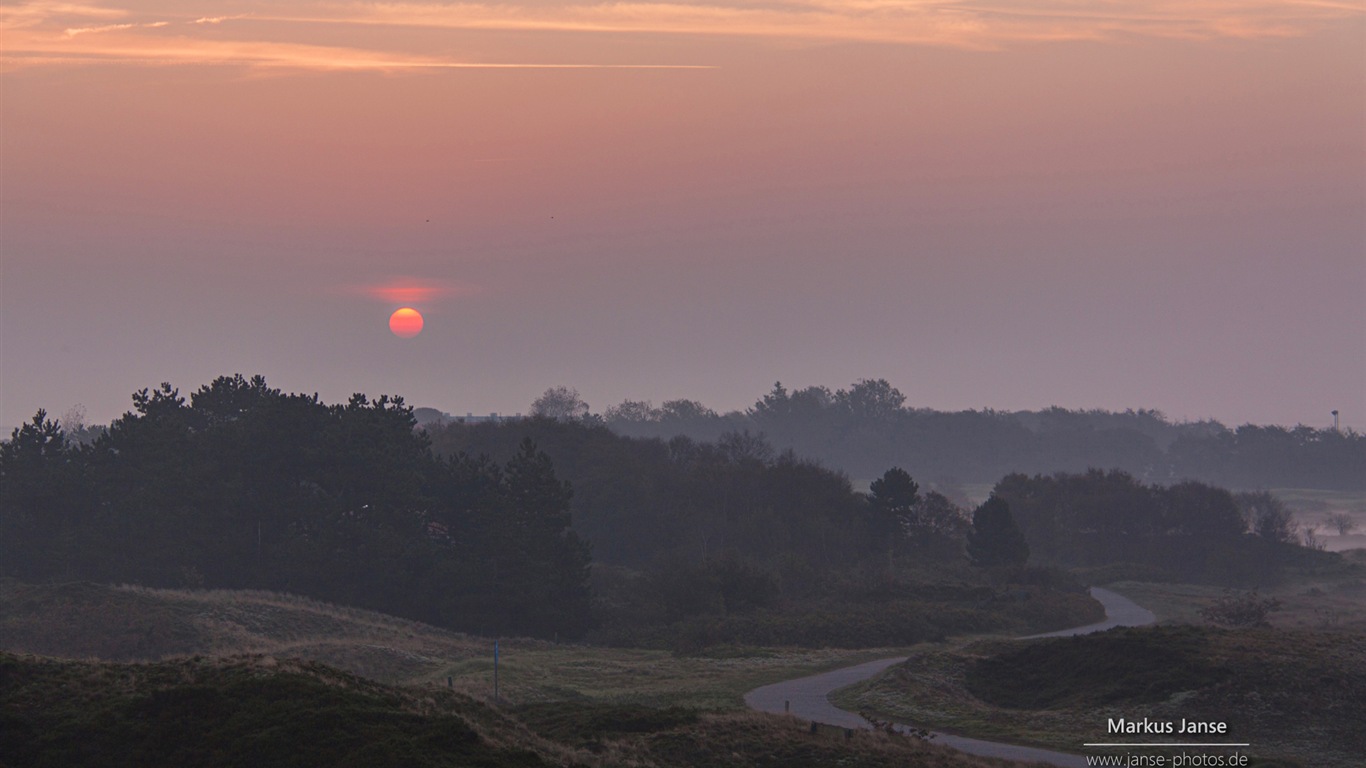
406 322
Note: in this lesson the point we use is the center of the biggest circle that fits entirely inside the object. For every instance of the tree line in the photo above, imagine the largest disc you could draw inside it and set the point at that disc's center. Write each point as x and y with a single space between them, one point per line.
690 534
492 527
242 486
1105 522
869 426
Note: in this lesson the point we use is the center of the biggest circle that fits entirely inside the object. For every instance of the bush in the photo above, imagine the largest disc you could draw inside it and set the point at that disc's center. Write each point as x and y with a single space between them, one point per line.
1240 610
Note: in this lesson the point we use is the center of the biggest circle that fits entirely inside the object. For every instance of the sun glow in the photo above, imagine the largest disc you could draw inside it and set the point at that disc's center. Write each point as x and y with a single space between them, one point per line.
406 322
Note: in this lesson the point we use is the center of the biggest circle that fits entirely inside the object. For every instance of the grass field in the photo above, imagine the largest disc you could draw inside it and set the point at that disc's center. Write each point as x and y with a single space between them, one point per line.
260 711
1299 697
571 689
560 704
1332 599
1296 690
82 620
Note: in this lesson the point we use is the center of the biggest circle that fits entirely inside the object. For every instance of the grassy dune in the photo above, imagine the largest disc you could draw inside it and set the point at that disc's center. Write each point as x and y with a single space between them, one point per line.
118 623
1298 696
235 678
1296 690
1332 599
264 712
243 710
89 621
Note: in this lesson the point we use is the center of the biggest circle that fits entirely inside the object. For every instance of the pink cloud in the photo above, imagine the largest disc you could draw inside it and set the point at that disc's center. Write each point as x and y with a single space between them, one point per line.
410 290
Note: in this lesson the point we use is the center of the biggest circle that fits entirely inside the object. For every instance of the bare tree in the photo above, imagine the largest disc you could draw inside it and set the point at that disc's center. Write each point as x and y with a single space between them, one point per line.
636 411
1343 522
75 428
1312 539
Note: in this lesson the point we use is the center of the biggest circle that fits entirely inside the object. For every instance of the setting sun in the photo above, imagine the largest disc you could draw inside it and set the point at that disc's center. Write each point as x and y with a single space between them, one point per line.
406 322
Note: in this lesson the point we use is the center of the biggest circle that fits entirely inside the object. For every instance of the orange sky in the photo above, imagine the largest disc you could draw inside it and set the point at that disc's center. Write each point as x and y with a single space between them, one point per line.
1011 204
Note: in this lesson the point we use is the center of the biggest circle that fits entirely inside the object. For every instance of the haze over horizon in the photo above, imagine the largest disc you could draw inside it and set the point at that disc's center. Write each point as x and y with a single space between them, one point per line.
1128 205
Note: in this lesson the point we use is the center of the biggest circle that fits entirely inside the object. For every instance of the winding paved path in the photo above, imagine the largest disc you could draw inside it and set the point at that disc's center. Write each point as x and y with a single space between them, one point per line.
809 695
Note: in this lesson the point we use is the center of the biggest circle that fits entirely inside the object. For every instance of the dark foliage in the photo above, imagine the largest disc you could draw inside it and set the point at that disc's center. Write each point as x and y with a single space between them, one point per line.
642 503
243 486
699 544
890 616
867 427
185 713
255 712
1240 610
587 723
1097 520
994 541
1122 665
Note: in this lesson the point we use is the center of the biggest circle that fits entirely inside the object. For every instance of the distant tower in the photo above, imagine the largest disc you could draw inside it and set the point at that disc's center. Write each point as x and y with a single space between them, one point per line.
1335 420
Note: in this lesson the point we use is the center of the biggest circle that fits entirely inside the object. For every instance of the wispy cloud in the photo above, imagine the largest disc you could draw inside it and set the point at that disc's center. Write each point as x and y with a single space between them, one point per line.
37 14
936 22
43 32
262 54
219 19
412 290
37 33
73 31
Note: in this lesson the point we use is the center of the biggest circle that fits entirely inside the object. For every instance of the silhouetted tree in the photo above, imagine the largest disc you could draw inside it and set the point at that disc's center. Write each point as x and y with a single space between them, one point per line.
1342 522
243 486
40 500
548 574
892 500
994 540
1268 517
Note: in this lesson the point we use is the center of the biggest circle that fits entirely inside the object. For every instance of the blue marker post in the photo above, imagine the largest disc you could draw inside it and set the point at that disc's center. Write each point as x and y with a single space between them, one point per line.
495 671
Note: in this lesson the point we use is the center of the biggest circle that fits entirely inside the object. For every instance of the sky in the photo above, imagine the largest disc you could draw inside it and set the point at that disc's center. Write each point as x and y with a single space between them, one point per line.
1006 204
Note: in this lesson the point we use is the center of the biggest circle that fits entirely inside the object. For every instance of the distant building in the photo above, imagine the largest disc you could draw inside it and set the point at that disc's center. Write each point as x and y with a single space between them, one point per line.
427 417
470 418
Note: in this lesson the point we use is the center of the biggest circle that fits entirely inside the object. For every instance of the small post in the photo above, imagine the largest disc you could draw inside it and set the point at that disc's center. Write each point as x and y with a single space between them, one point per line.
787 706
450 682
495 671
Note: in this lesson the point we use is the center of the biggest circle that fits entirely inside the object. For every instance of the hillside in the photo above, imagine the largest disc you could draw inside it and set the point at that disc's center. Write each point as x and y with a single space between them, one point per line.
251 678
1297 695
243 710
871 425
266 712
119 623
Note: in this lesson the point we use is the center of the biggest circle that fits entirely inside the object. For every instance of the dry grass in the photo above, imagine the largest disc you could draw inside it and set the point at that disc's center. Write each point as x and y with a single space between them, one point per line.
773 741
1315 648
1332 600
1294 694
109 702
123 623
644 677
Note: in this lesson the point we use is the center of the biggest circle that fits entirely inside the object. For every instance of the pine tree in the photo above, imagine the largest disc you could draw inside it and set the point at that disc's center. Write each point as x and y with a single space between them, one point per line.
546 573
994 539
893 499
